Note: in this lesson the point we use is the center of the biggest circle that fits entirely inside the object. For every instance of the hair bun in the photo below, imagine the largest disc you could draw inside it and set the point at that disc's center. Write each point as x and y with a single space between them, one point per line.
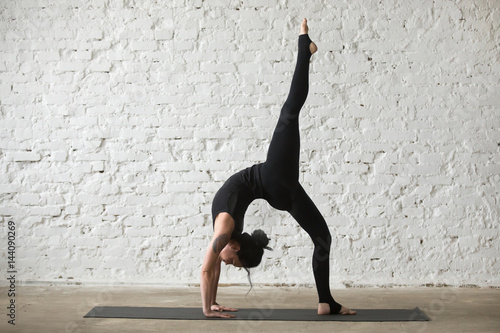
261 239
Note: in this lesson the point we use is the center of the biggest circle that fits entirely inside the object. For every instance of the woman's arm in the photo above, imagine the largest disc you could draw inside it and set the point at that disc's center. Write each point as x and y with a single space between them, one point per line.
215 306
216 282
224 226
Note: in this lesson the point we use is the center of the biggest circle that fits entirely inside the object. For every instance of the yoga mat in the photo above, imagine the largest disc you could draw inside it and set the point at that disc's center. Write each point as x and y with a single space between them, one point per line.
369 315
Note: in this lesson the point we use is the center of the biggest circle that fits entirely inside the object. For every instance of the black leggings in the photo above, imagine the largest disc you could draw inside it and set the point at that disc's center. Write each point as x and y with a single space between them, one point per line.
280 176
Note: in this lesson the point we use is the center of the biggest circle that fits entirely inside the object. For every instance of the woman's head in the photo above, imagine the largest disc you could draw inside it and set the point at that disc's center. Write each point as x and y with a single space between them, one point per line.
251 248
246 251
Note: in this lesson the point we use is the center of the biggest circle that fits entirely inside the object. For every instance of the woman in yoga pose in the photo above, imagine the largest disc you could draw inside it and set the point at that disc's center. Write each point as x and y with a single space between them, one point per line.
275 180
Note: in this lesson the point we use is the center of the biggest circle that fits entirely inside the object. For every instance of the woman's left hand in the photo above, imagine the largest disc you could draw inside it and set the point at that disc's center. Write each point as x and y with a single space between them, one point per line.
219 308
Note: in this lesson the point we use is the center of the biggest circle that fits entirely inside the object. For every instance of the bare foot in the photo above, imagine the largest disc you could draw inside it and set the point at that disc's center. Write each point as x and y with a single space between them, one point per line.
304 29
324 309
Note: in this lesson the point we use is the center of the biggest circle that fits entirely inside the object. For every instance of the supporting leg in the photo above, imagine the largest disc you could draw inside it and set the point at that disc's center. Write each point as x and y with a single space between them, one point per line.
305 212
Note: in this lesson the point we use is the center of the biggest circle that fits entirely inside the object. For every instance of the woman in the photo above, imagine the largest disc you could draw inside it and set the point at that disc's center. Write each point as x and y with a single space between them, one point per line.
275 180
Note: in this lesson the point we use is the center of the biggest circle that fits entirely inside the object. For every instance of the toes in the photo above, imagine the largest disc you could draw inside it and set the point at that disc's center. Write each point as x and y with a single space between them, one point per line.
346 311
304 28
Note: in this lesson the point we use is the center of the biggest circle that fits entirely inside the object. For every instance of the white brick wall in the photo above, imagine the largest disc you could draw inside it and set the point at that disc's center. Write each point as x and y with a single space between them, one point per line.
120 120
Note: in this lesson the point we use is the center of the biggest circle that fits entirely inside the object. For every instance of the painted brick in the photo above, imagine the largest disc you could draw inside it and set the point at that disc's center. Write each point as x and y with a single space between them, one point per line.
137 45
138 221
28 199
25 157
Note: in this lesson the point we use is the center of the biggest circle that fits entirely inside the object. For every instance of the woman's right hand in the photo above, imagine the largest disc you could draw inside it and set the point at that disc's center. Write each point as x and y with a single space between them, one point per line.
215 314
216 307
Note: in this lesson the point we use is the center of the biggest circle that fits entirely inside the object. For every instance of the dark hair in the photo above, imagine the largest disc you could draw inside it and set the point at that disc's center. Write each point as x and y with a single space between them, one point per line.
251 249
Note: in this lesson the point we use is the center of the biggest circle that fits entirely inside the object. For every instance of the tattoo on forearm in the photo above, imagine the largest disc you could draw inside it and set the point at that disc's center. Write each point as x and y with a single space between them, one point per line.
220 242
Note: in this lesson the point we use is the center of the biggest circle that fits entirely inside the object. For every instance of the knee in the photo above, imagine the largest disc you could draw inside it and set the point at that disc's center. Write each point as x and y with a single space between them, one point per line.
289 112
323 240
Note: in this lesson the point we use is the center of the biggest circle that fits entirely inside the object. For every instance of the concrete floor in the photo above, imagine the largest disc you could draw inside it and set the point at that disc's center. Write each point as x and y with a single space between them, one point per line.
60 309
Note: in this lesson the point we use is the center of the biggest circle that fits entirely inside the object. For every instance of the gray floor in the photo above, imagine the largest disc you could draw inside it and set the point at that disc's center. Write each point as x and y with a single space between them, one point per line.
61 309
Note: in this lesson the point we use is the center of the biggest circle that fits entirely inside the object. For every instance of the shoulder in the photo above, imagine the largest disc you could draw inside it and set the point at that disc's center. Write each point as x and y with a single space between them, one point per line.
223 229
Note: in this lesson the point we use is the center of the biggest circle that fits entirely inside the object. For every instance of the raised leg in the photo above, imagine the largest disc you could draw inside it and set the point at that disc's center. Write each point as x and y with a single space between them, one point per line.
284 148
280 172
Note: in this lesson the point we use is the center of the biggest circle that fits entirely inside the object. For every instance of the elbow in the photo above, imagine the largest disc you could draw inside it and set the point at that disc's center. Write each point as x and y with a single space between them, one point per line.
206 278
207 272
207 269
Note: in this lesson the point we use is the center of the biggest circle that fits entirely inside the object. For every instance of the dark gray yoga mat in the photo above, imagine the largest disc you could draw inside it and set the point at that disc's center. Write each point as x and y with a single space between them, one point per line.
255 314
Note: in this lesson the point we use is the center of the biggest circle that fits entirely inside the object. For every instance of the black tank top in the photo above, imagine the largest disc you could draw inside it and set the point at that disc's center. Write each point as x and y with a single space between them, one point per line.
237 194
